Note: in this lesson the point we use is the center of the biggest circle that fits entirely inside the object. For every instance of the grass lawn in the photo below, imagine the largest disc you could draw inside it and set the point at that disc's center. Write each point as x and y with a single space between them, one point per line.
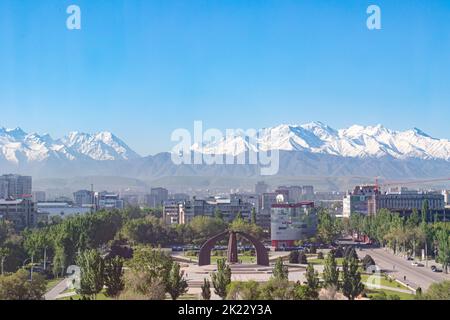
100 296
382 281
322 261
403 296
188 297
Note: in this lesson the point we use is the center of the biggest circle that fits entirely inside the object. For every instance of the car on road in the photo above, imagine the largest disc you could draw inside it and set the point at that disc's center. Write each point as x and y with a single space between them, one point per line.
435 269
417 264
409 258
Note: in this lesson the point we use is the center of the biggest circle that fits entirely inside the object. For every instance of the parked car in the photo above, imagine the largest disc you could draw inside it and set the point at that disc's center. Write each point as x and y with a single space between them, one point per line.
417 264
435 269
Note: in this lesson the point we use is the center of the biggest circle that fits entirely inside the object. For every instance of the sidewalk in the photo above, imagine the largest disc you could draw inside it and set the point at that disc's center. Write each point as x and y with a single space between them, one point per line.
53 293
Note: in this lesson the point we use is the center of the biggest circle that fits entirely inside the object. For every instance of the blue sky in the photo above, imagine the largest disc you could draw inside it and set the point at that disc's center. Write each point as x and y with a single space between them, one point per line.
144 68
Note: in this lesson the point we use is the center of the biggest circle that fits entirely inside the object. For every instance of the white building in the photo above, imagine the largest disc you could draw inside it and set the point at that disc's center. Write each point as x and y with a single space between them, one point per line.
292 222
446 194
105 200
61 209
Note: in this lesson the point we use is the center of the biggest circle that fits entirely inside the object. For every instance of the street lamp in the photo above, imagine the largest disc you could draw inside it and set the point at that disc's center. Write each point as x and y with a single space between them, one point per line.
32 263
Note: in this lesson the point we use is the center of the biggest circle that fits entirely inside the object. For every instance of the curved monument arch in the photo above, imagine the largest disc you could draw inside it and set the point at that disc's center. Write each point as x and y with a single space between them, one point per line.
204 258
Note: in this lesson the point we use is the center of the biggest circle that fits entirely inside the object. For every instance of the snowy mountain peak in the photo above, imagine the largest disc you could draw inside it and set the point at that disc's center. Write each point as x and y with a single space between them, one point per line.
355 141
99 146
17 146
17 133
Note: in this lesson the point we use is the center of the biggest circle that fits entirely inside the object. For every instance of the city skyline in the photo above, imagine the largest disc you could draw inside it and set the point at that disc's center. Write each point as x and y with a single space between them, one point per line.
159 66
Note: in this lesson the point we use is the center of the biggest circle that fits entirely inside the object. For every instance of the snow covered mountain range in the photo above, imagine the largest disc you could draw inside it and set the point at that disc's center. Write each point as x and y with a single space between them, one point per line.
18 147
355 141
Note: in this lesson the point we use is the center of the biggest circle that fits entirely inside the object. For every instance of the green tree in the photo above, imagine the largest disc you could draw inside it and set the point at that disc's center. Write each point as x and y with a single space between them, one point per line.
437 291
443 240
331 271
114 281
253 220
92 273
59 262
243 290
206 289
177 285
240 225
221 279
352 286
218 214
413 220
239 216
302 258
150 269
280 271
326 228
312 282
367 261
204 227
277 289
293 256
4 253
18 286
425 210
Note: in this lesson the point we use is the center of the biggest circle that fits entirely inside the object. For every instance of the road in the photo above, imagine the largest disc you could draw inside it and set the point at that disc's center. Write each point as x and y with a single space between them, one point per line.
399 267
56 290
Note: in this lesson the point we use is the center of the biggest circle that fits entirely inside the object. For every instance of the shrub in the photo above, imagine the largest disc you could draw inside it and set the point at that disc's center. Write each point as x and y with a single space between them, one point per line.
338 252
294 257
302 259
368 261
320 255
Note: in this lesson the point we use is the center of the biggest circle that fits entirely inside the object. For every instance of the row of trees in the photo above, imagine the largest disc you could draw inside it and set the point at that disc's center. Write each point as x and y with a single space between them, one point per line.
280 288
61 242
407 235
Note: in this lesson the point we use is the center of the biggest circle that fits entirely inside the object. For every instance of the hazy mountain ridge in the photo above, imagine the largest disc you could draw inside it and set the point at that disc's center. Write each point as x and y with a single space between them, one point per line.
308 150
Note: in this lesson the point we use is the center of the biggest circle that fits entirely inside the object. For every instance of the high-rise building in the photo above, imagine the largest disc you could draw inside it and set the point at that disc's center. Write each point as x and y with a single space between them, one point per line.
20 211
83 198
3 188
15 186
292 222
265 205
357 201
106 200
295 194
156 197
172 211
